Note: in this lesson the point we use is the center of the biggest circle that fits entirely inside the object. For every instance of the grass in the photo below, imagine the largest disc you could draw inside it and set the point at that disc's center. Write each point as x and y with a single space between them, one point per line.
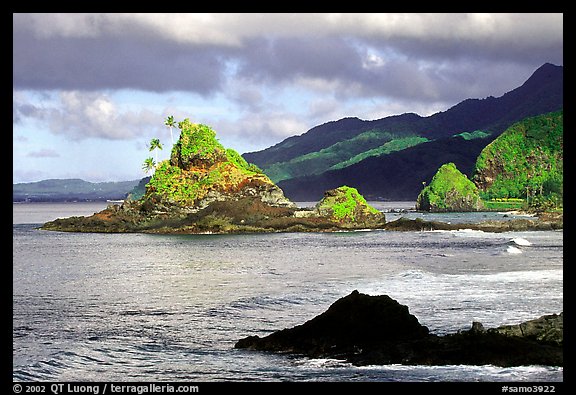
503 204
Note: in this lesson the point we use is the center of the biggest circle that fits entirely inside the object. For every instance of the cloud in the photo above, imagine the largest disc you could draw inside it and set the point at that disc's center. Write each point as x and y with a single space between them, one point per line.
398 55
44 153
259 130
82 115
94 64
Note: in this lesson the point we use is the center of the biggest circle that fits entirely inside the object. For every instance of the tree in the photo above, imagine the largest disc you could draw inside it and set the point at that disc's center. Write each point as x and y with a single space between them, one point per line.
170 123
155 144
148 165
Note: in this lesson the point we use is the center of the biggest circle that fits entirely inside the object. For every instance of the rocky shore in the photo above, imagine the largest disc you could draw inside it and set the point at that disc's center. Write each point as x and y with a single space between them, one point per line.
376 330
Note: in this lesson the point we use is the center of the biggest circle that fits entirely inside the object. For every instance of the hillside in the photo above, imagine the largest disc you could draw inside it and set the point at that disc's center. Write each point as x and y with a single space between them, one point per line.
55 190
342 145
396 176
524 162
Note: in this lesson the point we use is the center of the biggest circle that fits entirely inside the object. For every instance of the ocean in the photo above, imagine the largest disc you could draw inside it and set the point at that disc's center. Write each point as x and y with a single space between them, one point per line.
138 307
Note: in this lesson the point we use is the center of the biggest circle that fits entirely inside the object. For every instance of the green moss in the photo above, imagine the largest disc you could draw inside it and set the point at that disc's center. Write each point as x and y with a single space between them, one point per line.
169 181
449 190
198 164
346 207
345 204
235 158
196 142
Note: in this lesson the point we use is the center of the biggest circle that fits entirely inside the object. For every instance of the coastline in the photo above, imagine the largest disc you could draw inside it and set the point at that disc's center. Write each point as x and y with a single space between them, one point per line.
93 224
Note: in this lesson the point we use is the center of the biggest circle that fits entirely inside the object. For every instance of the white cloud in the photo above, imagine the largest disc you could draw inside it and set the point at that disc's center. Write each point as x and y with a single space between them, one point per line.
258 131
82 115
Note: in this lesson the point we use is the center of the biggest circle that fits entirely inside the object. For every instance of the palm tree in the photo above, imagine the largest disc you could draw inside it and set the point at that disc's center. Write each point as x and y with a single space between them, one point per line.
170 123
148 165
155 143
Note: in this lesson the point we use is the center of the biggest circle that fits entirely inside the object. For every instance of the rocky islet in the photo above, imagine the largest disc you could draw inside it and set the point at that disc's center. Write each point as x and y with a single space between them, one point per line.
376 330
206 188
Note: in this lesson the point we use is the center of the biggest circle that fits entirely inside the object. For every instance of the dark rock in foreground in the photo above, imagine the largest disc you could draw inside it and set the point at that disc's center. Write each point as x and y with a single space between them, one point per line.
369 330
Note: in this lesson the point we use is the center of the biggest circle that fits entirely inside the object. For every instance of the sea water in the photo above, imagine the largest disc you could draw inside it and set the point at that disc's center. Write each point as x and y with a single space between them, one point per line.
138 307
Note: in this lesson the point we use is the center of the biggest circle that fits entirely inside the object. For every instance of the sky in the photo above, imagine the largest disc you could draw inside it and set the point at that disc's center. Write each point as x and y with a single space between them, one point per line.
90 91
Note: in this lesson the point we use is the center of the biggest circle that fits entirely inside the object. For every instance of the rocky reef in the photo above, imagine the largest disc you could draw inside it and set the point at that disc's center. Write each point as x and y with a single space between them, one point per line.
368 330
207 188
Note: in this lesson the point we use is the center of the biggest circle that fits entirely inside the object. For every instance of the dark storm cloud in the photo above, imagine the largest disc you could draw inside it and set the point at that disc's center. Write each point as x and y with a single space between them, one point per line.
346 68
425 57
284 59
104 62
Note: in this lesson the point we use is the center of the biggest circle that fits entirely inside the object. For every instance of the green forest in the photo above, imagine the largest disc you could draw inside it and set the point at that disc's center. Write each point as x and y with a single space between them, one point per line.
524 162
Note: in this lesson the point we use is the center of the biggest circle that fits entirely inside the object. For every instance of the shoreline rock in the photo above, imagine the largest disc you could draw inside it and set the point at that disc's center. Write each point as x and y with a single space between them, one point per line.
377 330
248 216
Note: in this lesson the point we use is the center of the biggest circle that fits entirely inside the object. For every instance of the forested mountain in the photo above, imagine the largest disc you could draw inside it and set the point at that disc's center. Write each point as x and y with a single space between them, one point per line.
389 158
396 176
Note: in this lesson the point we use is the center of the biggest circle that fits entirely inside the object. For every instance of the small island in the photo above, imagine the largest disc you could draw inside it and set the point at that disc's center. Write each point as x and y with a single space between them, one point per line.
207 188
449 190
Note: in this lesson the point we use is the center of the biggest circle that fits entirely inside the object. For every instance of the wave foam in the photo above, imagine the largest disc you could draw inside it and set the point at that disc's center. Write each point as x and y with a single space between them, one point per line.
513 250
521 241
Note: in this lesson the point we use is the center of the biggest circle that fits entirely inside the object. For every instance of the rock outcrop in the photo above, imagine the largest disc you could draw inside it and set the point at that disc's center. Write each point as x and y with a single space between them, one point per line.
449 190
526 161
548 328
345 205
366 330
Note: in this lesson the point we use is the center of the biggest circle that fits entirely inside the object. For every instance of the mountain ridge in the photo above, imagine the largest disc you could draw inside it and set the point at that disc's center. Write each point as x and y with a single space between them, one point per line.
546 74
542 92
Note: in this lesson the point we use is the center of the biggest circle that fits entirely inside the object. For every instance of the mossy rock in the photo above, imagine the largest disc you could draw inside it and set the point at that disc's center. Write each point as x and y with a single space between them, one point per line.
199 166
346 206
449 190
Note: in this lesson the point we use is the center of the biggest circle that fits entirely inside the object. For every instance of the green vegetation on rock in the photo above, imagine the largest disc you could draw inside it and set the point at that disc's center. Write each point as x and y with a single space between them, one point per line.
525 162
196 142
449 190
346 204
199 164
